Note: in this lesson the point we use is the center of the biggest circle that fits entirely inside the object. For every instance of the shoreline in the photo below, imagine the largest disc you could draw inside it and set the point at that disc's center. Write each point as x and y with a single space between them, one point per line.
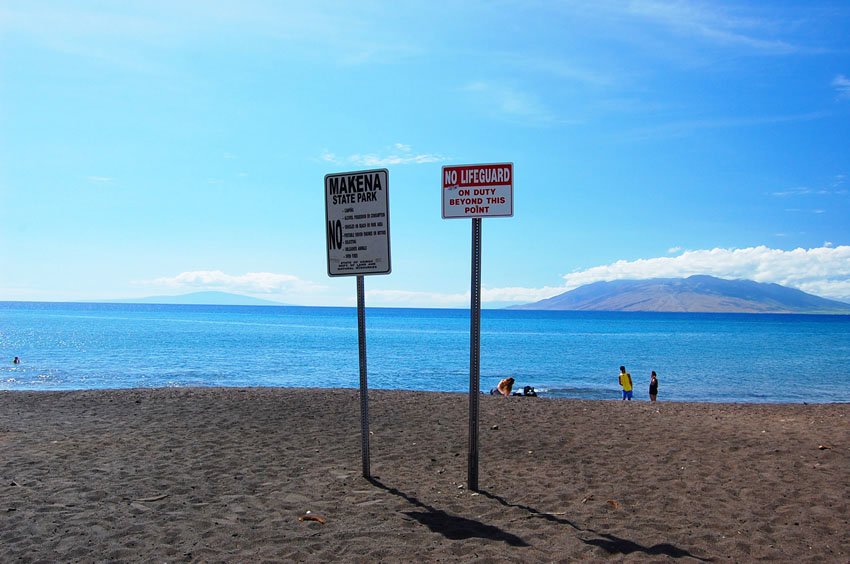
542 395
212 473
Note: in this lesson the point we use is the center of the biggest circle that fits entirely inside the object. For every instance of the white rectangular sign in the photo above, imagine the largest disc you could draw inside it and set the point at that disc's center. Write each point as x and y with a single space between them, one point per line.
482 190
358 222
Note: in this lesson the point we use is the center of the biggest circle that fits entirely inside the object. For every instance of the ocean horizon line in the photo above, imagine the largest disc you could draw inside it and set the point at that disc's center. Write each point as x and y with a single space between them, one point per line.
431 308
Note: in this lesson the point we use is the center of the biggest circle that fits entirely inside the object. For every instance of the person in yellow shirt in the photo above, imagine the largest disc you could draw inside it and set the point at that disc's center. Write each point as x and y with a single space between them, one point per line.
626 383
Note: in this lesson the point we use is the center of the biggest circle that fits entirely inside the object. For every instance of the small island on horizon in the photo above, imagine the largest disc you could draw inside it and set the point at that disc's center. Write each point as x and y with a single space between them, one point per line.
199 298
695 294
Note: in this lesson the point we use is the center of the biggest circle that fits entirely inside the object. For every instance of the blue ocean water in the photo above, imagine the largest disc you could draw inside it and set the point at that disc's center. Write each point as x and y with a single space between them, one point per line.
698 357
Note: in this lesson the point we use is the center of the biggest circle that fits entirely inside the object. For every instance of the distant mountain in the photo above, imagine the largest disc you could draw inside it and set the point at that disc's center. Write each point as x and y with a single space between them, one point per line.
200 298
693 294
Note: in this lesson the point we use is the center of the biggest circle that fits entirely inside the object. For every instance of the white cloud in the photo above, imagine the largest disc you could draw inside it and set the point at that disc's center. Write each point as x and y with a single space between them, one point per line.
134 35
833 189
249 283
556 67
410 298
792 192
460 299
836 289
511 103
384 160
802 210
674 250
842 86
706 21
687 127
517 294
824 271
100 179
397 154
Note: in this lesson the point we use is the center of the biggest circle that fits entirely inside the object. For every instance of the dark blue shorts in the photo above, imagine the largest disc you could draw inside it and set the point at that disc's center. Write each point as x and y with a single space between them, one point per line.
627 395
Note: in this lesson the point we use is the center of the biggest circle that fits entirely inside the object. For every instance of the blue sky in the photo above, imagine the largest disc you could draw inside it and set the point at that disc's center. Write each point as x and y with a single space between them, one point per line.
160 147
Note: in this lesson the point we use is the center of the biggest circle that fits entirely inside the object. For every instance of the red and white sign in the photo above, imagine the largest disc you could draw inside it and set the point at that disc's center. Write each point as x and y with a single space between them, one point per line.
482 190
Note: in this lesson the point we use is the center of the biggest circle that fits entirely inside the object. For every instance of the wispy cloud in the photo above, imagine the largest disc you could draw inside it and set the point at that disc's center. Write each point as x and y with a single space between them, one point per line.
398 159
792 192
249 283
117 34
460 299
842 86
834 189
687 127
510 103
805 210
711 23
557 68
411 298
100 179
397 154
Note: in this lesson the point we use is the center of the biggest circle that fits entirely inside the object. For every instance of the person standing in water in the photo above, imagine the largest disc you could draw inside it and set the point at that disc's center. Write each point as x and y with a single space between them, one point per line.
626 383
653 386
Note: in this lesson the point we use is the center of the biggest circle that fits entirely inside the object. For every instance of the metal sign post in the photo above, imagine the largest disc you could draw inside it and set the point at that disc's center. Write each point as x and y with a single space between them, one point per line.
358 242
474 355
476 191
364 387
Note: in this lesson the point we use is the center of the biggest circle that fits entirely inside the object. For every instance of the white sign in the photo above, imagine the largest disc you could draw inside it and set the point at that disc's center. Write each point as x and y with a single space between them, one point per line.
358 222
483 190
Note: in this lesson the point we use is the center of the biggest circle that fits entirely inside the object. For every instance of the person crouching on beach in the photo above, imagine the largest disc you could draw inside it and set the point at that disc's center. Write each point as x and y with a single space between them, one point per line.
505 386
653 386
626 383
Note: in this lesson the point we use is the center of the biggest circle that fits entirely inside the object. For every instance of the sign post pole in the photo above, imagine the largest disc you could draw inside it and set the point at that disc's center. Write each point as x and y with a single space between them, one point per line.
357 214
476 191
364 387
474 355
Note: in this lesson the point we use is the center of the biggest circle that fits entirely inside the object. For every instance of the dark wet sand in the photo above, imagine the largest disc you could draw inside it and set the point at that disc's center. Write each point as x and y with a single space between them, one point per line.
225 475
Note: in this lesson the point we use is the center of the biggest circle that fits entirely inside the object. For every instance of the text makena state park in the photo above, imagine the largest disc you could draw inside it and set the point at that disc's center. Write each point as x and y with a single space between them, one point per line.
355 188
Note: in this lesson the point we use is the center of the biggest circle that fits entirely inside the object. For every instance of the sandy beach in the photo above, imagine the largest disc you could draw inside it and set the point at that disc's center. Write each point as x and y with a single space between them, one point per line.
229 475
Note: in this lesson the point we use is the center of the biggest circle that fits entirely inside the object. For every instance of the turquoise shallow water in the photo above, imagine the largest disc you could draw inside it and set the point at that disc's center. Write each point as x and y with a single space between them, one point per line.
698 357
